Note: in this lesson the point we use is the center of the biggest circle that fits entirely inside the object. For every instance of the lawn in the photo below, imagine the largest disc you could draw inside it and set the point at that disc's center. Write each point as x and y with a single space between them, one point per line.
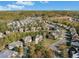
47 42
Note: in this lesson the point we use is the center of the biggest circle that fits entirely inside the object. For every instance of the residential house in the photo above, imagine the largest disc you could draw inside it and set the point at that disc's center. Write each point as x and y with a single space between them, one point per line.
75 43
56 33
21 30
76 55
33 29
26 29
18 24
1 35
8 54
73 31
38 28
51 27
71 51
27 39
75 37
7 32
38 38
15 44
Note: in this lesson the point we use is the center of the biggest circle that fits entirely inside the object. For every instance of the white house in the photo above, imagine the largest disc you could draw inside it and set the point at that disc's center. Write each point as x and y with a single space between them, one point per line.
38 39
1 35
7 32
21 30
27 39
15 44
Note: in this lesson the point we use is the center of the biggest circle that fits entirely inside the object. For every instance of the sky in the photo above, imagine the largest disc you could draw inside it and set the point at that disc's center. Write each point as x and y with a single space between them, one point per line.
39 5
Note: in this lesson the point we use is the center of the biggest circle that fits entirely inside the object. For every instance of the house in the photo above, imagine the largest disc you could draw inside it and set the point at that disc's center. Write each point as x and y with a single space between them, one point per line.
75 37
15 44
33 29
1 35
8 54
27 39
9 24
76 55
50 27
22 23
75 43
7 32
70 19
18 24
64 26
26 29
21 30
56 33
71 51
38 38
59 24
73 31
38 28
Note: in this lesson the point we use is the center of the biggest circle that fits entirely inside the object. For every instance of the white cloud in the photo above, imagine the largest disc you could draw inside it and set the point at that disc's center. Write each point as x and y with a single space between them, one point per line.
19 5
4 8
67 9
11 7
43 1
15 6
25 3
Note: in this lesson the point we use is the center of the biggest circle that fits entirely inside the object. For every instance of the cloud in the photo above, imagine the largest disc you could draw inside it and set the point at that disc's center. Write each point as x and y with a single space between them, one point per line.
66 9
19 5
29 3
3 8
15 6
43 1
11 7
